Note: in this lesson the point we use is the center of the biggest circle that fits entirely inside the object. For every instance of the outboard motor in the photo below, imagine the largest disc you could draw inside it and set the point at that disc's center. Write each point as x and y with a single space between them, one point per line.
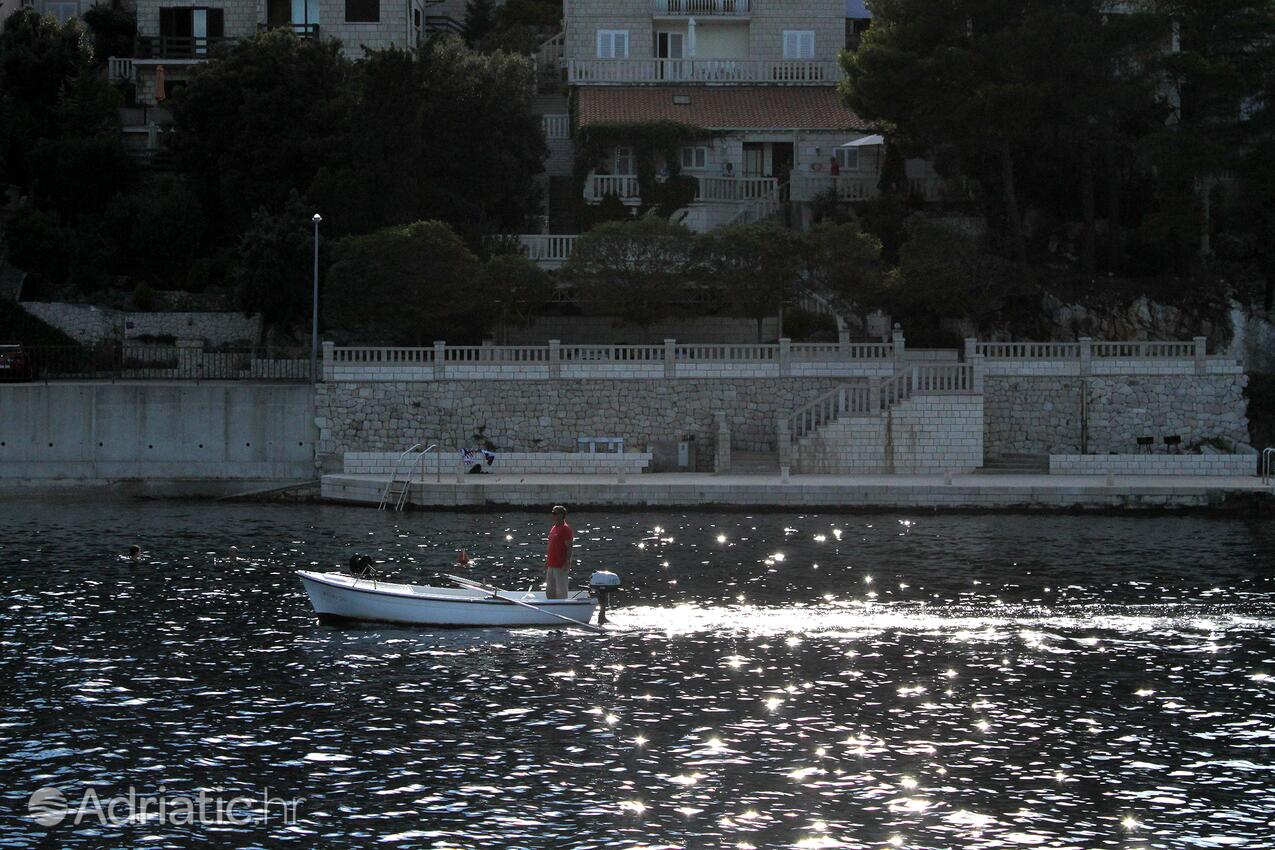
601 584
361 566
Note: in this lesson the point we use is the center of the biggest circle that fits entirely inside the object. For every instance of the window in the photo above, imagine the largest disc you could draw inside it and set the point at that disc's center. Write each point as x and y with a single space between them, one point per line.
63 11
186 32
848 159
362 11
799 44
613 44
416 18
695 157
624 160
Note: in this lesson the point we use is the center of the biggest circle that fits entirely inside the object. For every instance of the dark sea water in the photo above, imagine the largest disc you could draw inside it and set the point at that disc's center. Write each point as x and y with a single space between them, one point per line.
773 680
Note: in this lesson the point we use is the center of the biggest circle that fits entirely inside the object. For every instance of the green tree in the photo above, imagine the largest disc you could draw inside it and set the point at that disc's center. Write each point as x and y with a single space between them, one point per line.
844 262
638 271
38 57
756 268
480 20
486 147
274 265
513 288
991 78
258 122
158 229
405 285
114 31
944 273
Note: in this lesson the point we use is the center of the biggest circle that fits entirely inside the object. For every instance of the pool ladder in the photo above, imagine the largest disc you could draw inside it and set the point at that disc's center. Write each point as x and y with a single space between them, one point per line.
1268 464
396 488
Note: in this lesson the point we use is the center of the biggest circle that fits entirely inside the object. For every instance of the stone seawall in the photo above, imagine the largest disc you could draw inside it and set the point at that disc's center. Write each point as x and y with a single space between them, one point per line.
1043 415
550 415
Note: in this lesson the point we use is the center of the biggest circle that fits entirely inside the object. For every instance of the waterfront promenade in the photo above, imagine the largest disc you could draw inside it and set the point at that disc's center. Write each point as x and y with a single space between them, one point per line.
706 490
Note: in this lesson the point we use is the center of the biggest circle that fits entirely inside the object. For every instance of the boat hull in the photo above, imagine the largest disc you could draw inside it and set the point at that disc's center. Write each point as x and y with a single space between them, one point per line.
341 598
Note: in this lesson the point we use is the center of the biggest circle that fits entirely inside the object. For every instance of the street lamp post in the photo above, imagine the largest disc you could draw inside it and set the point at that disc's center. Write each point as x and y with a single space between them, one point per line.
314 316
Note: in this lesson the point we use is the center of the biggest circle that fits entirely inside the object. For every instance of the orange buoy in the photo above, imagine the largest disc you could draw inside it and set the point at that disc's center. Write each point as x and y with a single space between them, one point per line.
462 557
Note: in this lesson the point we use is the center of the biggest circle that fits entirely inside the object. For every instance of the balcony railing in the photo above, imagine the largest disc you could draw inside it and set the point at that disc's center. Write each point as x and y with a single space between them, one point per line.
557 126
699 8
299 30
177 46
734 189
623 186
791 72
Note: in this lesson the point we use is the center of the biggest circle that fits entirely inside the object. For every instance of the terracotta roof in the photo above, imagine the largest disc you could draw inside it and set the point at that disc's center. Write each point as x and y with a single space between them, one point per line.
721 107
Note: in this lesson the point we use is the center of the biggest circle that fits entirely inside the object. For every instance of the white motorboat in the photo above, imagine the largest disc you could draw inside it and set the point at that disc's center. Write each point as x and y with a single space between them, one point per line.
340 597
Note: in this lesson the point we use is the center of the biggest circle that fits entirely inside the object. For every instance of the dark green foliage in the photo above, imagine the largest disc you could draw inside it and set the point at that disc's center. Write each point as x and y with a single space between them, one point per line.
79 175
257 125
38 57
143 298
638 271
480 20
651 141
405 285
275 266
843 261
754 268
159 230
114 31
58 256
944 272
512 289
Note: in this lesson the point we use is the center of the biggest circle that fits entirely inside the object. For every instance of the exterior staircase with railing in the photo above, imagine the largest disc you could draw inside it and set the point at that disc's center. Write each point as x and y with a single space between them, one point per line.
850 428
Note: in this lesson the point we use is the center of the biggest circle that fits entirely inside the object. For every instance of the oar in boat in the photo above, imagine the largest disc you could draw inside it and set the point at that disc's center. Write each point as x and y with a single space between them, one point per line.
495 593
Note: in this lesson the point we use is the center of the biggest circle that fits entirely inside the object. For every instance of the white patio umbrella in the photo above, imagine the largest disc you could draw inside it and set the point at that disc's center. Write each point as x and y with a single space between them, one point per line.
866 142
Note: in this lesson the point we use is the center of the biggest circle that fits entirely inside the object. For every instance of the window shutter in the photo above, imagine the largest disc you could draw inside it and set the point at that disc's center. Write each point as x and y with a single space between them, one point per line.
807 45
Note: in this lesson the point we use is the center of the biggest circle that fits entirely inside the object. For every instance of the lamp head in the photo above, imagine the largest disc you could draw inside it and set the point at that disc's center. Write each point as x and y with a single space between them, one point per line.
317 218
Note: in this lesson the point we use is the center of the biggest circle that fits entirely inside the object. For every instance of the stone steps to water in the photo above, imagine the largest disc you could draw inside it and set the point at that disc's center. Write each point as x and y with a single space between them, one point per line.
754 463
1015 464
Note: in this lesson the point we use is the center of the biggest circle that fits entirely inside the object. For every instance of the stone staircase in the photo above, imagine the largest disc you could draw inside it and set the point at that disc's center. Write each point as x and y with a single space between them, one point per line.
1015 464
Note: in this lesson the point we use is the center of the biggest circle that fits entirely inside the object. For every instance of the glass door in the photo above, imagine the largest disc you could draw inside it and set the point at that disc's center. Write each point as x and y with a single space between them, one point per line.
670 50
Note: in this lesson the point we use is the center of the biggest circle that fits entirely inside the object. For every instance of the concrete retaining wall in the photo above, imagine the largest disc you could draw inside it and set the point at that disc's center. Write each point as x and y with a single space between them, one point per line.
101 431
1042 415
1244 464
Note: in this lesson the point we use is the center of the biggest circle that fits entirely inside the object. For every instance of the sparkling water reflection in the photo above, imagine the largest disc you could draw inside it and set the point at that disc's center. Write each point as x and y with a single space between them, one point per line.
773 681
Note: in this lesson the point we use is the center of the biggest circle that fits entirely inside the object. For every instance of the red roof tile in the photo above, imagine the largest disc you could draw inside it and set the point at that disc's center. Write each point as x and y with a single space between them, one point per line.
721 107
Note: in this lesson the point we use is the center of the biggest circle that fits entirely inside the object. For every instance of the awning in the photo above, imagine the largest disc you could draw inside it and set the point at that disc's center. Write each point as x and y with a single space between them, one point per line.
866 142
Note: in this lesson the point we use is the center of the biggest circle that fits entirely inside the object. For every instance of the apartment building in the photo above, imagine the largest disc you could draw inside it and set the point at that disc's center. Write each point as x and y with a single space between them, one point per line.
173 36
760 75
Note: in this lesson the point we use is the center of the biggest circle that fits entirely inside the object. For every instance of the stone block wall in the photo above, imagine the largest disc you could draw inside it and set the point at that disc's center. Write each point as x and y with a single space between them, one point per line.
1153 464
936 433
89 325
508 463
853 445
545 416
1043 415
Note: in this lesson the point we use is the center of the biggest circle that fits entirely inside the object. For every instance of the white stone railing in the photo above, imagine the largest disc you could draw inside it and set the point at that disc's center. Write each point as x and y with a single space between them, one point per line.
547 250
734 189
556 126
120 68
1090 357
666 360
789 72
623 186
849 187
699 7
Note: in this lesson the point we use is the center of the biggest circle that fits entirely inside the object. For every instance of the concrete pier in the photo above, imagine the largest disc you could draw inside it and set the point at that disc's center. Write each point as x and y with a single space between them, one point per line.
691 490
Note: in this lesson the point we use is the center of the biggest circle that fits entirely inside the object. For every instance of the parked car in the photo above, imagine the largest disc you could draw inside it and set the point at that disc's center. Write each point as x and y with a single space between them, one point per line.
15 364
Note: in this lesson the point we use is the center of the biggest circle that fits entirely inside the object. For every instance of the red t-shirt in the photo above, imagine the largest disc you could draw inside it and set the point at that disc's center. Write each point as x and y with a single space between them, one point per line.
559 537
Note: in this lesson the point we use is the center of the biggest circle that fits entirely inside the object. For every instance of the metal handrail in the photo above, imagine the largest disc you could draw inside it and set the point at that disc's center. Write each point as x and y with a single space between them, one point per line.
402 496
1268 464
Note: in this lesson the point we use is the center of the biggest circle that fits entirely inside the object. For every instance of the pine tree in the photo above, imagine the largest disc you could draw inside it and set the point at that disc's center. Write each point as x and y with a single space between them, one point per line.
480 19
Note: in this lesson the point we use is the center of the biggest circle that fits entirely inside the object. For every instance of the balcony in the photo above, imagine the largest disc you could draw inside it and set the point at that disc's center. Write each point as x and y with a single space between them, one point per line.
733 189
787 72
177 46
699 8
623 186
302 31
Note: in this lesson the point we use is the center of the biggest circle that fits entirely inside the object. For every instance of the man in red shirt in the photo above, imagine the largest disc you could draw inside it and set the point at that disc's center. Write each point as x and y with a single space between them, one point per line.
558 557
